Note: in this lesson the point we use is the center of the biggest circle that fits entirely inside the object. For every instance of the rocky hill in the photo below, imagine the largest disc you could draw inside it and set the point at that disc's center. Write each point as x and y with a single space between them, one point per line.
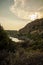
32 29
36 25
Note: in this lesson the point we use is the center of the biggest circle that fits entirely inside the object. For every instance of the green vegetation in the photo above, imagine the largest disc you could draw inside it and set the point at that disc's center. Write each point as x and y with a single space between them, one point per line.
29 52
5 42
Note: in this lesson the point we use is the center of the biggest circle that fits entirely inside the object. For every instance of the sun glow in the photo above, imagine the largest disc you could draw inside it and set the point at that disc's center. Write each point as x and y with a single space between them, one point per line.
35 16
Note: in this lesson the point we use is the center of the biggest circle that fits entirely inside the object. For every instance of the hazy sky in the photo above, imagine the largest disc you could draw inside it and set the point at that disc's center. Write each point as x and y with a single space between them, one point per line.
15 14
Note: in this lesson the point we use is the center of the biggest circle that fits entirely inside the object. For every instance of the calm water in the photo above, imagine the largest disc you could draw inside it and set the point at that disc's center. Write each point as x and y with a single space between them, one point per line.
15 39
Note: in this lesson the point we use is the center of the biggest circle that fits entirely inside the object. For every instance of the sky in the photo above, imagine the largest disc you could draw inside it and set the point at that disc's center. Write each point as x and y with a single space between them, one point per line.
15 14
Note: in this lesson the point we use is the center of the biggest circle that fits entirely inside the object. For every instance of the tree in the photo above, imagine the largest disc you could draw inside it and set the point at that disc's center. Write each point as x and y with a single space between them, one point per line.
4 39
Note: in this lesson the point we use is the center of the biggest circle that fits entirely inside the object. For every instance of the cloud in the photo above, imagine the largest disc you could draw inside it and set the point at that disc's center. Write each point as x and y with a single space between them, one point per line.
22 8
40 9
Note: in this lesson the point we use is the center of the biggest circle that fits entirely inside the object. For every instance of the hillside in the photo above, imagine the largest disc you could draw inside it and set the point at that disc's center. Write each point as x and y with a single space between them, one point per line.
29 52
12 33
36 25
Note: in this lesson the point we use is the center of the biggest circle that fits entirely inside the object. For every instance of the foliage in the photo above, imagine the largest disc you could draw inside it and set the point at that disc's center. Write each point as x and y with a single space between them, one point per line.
29 52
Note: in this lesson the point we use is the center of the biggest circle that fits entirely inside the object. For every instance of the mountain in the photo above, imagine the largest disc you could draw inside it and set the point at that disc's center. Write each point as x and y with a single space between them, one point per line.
32 34
36 25
32 30
23 53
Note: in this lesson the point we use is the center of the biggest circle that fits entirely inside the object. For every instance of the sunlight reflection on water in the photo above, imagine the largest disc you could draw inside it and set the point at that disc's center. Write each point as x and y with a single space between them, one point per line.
15 39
